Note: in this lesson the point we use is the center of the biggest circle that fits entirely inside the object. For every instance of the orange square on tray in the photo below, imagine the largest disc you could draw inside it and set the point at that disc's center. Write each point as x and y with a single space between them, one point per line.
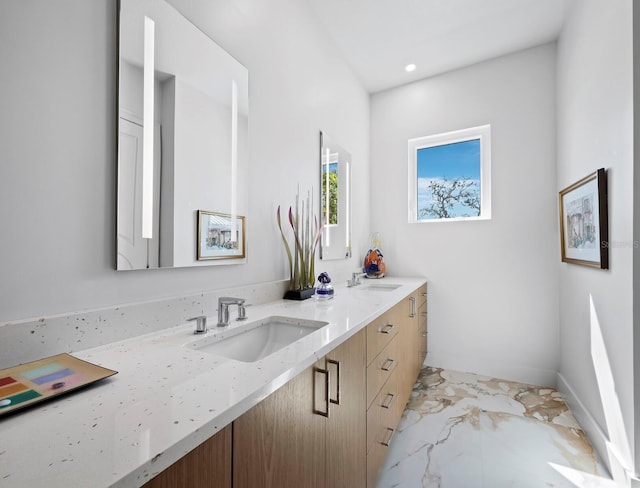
9 390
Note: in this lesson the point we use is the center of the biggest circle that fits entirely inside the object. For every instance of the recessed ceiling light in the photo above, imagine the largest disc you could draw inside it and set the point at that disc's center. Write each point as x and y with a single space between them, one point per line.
410 67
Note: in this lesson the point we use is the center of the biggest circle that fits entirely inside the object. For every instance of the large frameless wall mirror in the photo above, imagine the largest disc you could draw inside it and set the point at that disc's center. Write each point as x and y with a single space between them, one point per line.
335 200
182 136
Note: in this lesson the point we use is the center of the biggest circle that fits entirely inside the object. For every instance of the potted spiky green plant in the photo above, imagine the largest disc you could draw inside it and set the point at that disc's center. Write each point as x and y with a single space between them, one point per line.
301 254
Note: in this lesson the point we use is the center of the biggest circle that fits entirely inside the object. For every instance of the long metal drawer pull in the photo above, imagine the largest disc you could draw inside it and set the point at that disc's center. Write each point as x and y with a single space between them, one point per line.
387 328
388 441
337 365
388 364
325 372
413 307
391 398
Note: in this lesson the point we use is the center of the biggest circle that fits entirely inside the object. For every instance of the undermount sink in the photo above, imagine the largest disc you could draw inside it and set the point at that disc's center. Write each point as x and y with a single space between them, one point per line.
381 287
257 340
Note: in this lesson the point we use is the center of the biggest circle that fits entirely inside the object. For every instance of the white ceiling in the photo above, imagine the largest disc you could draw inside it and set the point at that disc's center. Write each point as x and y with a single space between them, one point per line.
379 38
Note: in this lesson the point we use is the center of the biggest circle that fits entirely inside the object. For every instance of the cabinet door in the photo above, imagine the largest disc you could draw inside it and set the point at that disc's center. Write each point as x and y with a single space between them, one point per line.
207 466
408 347
346 425
281 441
422 327
422 335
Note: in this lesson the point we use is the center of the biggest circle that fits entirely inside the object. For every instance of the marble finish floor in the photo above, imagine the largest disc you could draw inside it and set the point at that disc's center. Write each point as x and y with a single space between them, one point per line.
461 430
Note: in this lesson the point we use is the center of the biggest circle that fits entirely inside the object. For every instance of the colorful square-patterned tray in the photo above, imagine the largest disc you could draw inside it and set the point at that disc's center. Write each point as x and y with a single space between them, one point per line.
29 383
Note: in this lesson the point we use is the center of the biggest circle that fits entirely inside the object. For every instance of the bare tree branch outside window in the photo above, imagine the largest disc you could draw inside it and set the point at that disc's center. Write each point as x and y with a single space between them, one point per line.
447 194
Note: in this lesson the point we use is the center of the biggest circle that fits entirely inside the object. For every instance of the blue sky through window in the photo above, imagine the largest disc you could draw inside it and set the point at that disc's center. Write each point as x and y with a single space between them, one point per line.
456 161
460 159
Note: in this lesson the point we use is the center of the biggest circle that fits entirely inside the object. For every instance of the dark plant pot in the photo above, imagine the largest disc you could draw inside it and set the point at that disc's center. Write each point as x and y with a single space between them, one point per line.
299 294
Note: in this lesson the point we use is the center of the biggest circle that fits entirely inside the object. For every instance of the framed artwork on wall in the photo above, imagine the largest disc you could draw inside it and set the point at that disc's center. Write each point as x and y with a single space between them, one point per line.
584 221
220 236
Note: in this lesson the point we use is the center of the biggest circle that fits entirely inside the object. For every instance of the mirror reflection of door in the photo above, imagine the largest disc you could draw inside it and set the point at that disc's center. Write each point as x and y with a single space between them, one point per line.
132 248
134 252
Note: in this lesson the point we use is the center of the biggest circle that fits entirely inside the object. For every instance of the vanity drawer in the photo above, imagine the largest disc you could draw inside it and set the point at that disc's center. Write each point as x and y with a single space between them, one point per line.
382 414
380 332
382 420
381 368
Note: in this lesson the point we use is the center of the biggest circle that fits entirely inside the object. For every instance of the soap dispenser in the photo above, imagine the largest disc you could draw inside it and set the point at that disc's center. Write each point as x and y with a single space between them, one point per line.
325 290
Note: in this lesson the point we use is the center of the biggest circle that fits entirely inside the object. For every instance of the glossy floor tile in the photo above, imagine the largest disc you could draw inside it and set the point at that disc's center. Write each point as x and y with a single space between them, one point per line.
462 430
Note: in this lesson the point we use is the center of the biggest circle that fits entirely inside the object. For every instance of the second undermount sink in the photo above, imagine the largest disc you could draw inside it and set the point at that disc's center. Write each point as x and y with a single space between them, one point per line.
257 340
381 287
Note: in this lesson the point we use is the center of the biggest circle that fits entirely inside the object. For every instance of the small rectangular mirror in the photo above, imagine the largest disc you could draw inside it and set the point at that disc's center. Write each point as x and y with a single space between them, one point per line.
335 200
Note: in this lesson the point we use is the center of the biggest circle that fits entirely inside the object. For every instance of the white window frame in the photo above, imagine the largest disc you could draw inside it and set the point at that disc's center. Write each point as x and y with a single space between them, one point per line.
483 133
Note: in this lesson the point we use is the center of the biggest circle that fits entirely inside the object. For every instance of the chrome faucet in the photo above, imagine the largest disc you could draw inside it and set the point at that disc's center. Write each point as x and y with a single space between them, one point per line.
223 309
355 278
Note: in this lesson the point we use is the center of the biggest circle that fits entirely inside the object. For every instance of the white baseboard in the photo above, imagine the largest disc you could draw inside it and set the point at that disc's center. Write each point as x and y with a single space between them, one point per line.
597 436
594 432
492 368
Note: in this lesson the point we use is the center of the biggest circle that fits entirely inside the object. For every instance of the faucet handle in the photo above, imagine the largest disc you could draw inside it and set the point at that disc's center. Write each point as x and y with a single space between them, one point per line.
201 324
242 312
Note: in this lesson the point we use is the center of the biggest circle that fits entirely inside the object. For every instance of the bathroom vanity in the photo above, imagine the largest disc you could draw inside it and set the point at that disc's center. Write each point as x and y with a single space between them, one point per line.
320 411
329 426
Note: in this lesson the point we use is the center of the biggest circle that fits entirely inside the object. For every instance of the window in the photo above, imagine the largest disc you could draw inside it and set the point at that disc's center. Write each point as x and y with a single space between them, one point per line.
449 176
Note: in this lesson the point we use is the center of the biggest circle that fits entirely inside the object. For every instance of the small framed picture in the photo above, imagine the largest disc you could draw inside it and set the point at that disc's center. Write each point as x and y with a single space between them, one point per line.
220 236
584 222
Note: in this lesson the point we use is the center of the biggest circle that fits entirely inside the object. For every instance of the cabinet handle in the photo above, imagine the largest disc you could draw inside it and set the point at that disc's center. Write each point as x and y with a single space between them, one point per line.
391 397
337 365
388 441
325 372
388 364
388 330
424 294
424 334
413 307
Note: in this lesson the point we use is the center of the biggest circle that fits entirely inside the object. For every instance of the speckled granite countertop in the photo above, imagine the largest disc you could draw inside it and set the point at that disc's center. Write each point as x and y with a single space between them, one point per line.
168 398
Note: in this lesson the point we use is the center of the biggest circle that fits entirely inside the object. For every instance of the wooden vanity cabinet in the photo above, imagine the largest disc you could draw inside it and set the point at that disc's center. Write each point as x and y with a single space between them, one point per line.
280 442
346 427
422 326
417 314
330 426
207 466
311 432
387 342
394 362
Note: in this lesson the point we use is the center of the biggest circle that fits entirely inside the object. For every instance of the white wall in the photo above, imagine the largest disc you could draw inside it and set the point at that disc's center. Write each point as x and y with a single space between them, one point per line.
595 129
58 147
493 292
